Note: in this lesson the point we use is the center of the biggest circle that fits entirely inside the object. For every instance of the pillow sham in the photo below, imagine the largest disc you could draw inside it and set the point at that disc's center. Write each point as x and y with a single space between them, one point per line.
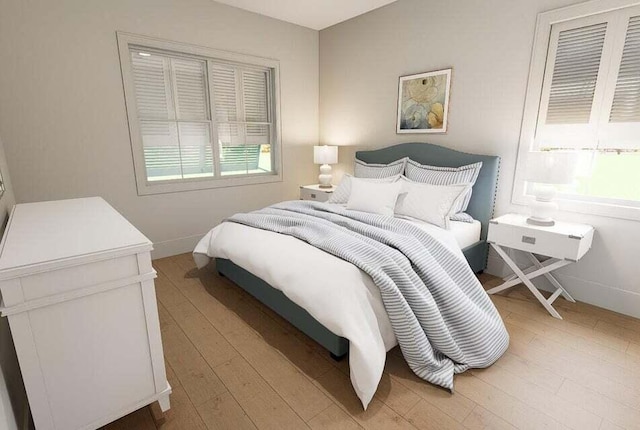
377 171
343 191
436 175
377 198
462 217
431 203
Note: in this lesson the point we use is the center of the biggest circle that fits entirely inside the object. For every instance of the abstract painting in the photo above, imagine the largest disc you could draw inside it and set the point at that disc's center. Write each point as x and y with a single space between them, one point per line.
423 102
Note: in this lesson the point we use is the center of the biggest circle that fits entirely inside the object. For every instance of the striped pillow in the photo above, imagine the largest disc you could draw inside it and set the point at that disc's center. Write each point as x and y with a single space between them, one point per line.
436 175
378 171
462 217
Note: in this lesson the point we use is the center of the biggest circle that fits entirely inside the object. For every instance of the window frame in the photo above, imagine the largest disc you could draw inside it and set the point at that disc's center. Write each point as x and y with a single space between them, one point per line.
533 99
127 41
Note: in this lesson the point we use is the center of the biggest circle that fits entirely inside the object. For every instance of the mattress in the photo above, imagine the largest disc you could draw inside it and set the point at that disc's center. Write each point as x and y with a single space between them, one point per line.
465 233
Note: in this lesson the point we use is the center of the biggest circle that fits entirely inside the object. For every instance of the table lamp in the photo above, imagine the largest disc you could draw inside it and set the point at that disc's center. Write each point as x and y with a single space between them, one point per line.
325 155
545 169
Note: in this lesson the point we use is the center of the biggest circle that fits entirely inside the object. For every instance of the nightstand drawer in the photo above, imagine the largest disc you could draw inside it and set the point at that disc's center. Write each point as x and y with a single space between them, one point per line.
551 243
308 193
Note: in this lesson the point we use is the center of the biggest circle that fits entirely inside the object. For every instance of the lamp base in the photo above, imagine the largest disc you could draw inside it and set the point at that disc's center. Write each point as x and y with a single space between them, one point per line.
324 178
543 207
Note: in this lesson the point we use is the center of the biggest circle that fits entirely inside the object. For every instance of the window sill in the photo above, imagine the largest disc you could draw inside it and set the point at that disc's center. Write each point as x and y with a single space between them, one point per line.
175 186
589 208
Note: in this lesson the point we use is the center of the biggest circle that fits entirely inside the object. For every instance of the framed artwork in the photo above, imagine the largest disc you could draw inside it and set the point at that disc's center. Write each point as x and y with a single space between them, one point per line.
423 102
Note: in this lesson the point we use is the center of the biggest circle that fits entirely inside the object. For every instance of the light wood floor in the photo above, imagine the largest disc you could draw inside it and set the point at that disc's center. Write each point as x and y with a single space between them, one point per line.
234 364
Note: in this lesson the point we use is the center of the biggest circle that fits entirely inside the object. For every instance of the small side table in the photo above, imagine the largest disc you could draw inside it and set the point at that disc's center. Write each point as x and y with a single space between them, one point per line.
314 192
564 243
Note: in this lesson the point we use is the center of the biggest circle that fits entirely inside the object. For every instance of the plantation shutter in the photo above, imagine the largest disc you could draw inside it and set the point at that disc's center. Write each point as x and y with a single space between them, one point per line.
620 128
173 113
241 99
569 104
575 74
591 89
626 100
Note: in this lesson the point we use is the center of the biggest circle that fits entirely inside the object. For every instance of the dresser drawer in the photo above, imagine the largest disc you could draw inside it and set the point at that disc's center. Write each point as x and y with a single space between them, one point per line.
535 240
311 194
46 284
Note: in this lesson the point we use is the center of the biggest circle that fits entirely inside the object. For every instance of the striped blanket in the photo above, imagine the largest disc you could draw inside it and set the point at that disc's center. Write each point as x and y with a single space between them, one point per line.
441 316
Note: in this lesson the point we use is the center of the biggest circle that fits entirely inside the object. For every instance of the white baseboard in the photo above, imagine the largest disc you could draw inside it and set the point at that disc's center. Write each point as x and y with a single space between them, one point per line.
171 247
594 293
603 296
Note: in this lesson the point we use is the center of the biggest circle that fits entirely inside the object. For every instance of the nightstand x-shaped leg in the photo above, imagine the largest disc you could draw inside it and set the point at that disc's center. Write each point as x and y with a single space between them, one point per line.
525 276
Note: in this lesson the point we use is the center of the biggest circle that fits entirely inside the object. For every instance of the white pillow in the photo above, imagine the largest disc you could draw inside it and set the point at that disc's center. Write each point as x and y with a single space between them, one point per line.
343 191
374 197
431 203
438 175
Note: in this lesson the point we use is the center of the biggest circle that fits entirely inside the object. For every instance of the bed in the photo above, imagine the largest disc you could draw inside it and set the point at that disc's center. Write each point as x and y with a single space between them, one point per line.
252 267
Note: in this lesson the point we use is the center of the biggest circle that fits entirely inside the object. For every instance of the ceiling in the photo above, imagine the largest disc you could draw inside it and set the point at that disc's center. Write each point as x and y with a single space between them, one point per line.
314 14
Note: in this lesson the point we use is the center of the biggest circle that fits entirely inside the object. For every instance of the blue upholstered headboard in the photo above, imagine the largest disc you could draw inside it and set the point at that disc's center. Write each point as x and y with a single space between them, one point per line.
484 190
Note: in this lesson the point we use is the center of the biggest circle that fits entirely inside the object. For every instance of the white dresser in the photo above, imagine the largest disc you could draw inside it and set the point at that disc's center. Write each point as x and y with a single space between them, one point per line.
77 287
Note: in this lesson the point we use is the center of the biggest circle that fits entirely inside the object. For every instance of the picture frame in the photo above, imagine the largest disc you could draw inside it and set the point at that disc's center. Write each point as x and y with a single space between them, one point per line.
423 102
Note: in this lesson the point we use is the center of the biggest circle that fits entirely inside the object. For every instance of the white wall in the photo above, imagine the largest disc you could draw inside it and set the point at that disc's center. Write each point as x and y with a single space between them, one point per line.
488 44
12 395
63 118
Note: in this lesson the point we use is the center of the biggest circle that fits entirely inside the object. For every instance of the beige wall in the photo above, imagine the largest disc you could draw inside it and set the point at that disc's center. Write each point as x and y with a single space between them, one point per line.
488 44
63 118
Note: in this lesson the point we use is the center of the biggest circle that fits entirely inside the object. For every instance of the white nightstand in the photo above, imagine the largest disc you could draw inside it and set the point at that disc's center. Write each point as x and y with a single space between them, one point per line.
564 243
314 192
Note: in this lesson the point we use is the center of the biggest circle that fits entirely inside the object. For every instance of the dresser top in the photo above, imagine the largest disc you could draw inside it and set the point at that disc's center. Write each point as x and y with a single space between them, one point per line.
63 230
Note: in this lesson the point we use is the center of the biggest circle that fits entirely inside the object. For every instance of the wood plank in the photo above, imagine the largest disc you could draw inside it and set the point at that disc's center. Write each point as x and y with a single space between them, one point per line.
292 385
457 405
182 414
333 418
565 329
634 349
426 416
253 321
140 420
620 332
377 416
157 414
587 371
209 341
607 408
514 411
530 371
395 395
623 374
580 343
195 375
534 396
260 402
480 419
518 332
521 300
224 412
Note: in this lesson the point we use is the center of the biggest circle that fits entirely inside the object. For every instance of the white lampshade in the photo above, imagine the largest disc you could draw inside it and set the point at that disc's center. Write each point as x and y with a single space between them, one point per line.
551 167
325 154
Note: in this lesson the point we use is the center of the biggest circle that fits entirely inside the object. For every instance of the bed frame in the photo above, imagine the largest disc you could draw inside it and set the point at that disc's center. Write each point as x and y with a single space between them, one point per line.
480 208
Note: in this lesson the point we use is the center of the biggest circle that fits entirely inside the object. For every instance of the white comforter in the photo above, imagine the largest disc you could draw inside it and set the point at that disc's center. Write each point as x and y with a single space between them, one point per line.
336 293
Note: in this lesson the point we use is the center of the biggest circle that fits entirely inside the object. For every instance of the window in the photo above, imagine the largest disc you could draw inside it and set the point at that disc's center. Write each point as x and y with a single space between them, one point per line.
199 118
584 96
